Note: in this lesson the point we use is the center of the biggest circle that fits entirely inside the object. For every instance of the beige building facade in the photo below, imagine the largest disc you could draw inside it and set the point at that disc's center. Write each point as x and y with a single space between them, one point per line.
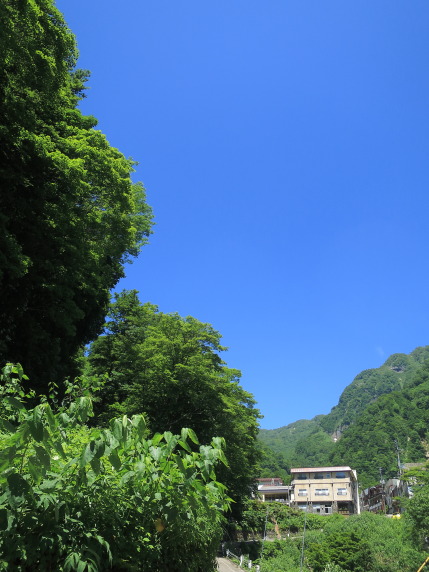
325 490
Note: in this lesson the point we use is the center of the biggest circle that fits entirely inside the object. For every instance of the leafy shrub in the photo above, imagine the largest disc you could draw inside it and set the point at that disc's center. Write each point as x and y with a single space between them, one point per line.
281 555
367 542
74 498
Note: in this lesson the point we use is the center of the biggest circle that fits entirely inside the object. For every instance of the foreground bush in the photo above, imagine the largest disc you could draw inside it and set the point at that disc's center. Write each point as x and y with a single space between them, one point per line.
74 498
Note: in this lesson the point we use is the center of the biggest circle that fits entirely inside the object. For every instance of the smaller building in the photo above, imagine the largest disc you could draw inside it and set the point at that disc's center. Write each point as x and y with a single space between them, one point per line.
273 490
373 499
384 498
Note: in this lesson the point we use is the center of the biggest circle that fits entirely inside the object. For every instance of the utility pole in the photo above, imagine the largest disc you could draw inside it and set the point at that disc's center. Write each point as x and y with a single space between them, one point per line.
303 537
398 458
383 492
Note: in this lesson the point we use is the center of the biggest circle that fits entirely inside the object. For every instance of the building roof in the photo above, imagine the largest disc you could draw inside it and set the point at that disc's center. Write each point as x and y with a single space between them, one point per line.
320 469
274 488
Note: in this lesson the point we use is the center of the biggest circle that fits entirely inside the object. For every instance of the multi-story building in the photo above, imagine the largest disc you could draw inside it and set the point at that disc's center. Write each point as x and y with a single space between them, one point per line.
325 490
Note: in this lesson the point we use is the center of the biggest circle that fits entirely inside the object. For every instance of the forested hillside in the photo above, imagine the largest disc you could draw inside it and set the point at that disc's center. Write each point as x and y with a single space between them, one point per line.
394 423
396 372
362 428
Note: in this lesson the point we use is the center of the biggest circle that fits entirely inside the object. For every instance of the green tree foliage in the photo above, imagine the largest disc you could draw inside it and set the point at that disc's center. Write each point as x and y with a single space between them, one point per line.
169 368
313 451
417 507
371 543
70 215
284 439
417 512
272 464
274 516
281 555
72 498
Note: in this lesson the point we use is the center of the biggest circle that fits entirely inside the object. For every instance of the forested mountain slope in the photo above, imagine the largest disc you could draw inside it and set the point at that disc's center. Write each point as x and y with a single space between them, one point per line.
396 372
285 439
395 424
319 440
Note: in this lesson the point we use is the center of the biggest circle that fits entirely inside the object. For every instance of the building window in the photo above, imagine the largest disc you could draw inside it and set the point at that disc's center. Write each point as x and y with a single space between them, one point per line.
321 492
341 491
340 475
319 476
302 477
302 492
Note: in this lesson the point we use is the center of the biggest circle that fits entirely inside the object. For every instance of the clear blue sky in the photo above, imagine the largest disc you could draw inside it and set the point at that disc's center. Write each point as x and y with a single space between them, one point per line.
284 147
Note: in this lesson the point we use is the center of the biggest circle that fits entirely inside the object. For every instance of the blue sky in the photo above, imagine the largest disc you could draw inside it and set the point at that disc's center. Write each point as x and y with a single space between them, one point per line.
284 149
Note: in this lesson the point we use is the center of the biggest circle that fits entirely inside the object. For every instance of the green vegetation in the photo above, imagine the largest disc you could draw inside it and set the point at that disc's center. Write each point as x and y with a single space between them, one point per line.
70 216
395 374
169 368
133 466
131 487
272 464
284 440
74 498
370 442
360 543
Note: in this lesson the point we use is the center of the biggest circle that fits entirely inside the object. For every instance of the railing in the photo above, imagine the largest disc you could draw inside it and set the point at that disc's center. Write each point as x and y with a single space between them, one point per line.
243 561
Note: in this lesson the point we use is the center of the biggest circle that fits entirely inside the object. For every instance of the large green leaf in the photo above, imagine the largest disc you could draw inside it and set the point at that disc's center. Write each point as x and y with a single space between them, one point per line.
3 519
88 453
36 425
43 456
14 402
115 460
18 487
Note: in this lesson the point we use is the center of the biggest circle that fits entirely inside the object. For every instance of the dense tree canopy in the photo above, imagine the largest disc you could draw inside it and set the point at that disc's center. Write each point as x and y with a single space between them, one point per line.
361 543
169 367
70 215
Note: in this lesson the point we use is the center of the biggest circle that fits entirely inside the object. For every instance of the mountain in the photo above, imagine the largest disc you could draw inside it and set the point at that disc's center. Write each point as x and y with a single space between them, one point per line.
285 439
396 372
325 439
391 431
